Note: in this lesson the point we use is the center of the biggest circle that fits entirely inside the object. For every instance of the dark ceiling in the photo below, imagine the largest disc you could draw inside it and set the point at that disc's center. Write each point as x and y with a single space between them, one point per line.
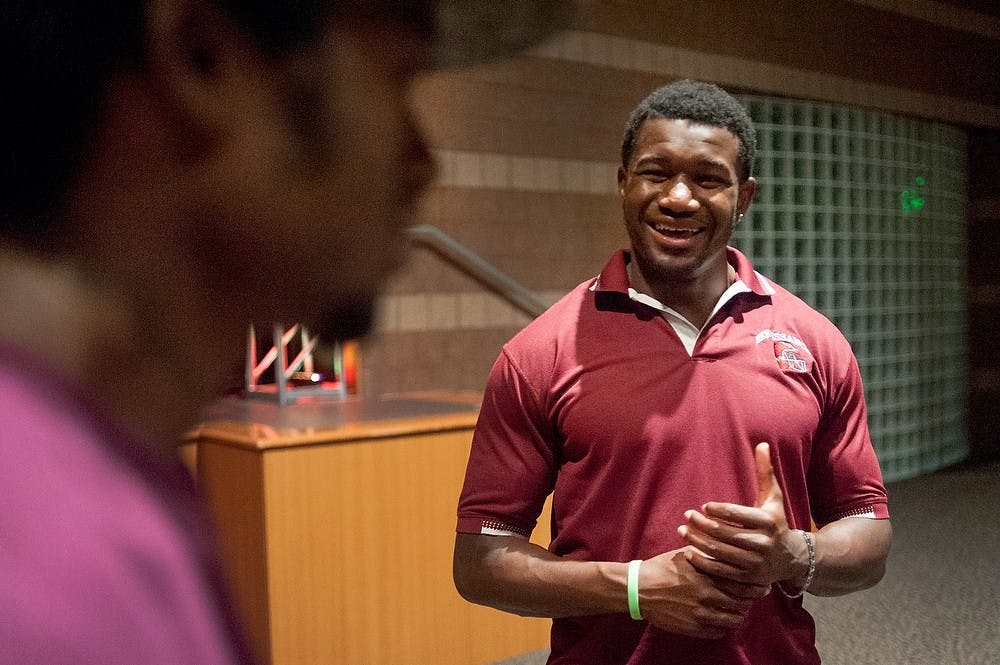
991 7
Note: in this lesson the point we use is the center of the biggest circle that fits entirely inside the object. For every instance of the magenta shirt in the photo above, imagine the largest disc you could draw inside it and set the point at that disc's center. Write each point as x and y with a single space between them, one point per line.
105 552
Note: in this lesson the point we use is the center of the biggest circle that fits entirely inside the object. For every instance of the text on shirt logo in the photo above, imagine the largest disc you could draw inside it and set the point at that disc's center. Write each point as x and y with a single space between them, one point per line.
787 350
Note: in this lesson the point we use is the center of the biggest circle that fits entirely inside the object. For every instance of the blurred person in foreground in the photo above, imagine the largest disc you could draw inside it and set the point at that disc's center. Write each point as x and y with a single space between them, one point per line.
173 170
643 400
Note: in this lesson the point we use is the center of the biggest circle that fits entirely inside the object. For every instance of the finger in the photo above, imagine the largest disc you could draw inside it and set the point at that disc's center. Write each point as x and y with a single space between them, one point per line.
722 540
715 568
710 547
726 607
767 483
713 604
741 517
719 569
742 590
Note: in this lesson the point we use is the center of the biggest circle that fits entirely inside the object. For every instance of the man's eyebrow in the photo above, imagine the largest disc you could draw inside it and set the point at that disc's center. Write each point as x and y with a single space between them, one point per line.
714 165
702 164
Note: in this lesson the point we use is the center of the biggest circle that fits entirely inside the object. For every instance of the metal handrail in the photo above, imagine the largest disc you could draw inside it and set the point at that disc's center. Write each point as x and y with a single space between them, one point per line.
473 265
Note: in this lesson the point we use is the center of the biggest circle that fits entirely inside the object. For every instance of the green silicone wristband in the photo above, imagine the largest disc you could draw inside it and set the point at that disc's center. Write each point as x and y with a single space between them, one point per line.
633 589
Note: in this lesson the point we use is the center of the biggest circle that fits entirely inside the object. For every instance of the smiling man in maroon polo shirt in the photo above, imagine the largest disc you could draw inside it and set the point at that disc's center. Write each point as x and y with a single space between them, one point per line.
643 399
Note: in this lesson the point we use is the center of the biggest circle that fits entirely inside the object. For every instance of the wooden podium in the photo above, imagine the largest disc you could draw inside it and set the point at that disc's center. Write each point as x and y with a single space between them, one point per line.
337 522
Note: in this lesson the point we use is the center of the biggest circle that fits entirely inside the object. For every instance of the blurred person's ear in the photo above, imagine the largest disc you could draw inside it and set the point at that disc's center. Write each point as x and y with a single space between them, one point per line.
203 67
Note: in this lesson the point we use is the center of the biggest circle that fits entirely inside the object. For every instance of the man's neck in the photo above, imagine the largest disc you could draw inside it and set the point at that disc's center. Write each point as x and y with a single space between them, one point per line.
46 311
96 337
694 300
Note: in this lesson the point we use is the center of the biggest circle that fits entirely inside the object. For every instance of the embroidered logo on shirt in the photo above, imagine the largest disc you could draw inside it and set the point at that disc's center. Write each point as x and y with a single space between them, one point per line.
790 352
788 359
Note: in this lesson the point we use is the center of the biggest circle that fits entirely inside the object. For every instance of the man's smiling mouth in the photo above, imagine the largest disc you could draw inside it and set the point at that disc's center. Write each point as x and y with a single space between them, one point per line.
676 232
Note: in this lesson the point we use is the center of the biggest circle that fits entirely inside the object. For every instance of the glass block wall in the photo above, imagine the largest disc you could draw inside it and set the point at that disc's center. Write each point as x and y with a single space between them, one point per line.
861 213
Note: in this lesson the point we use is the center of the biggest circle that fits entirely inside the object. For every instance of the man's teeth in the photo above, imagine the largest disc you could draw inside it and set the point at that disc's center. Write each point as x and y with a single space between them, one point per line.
666 230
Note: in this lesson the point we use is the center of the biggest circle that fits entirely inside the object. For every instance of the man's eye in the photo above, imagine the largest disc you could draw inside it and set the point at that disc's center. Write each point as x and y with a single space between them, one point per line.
711 182
655 176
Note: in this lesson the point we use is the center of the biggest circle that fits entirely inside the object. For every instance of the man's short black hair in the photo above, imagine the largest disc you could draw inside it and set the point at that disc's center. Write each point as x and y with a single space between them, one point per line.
698 102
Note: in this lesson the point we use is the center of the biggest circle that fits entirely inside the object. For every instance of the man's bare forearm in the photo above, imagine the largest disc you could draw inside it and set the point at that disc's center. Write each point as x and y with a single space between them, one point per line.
850 555
515 575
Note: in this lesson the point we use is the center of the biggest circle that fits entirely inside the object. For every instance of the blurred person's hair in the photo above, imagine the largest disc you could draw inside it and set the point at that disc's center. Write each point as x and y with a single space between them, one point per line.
58 56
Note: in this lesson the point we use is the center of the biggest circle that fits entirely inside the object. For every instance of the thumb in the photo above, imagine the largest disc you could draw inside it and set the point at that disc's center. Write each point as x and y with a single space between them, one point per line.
767 483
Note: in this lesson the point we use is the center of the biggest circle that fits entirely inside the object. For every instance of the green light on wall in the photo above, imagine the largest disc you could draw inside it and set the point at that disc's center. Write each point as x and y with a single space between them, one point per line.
910 200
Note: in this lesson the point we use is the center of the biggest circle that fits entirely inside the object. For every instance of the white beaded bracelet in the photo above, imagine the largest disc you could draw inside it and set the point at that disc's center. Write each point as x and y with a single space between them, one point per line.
811 549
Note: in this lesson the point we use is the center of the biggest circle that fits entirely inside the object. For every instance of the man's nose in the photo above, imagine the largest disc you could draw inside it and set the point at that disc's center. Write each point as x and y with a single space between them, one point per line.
422 167
677 196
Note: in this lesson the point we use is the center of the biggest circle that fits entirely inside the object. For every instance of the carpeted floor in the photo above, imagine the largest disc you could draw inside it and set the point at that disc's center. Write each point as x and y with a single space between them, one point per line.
939 603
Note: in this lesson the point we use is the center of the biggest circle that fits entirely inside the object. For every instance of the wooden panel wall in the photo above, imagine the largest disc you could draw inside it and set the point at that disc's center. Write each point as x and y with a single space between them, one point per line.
340 553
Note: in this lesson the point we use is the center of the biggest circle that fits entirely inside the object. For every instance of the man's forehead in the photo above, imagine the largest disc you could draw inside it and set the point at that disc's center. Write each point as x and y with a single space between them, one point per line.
668 132
685 125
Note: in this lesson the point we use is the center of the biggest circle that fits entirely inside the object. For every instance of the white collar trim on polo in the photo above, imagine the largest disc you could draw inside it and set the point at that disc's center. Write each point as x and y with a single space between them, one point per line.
686 330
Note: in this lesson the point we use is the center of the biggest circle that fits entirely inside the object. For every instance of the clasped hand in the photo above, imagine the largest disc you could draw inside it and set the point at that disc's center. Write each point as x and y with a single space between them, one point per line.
734 554
746 544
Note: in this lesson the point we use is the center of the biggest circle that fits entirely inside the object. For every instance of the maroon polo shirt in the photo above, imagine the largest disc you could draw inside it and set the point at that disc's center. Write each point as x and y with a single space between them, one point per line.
598 401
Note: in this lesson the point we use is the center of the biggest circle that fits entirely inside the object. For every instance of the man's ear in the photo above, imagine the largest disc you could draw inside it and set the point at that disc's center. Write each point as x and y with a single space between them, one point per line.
201 64
747 189
621 181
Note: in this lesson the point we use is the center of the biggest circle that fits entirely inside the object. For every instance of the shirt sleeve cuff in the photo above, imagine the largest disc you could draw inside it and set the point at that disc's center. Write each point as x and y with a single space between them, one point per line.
872 511
490 527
